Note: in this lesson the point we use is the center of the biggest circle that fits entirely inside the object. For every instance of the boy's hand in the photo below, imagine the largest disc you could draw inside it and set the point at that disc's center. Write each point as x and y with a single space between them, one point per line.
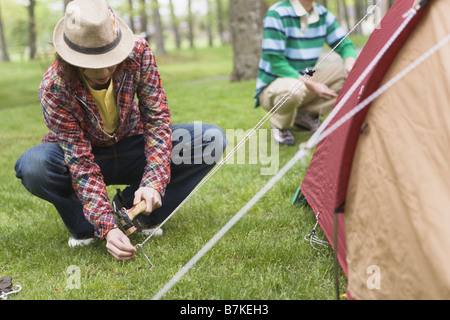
321 90
348 65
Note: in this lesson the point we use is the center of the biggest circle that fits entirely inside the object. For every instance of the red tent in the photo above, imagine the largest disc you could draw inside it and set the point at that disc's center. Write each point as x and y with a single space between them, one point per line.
329 183
325 182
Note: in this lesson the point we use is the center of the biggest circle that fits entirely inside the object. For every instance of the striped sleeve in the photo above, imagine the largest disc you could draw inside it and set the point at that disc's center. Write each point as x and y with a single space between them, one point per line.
335 34
274 47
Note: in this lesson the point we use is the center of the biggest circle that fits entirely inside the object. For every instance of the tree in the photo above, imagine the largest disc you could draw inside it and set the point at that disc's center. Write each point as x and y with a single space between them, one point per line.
130 8
65 3
142 9
220 26
191 24
175 27
209 23
159 38
32 29
246 32
4 51
346 16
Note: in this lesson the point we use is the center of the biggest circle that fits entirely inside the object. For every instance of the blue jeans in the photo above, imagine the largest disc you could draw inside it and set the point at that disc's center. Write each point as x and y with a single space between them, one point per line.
45 174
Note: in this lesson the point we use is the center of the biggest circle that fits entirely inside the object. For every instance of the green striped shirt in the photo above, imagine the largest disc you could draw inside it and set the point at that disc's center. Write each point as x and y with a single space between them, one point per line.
287 51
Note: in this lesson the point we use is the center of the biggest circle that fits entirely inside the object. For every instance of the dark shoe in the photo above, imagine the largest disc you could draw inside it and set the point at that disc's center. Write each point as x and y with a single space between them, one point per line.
283 136
307 121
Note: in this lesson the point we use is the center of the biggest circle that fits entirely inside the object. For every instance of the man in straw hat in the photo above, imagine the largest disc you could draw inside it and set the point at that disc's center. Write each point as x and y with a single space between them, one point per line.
100 135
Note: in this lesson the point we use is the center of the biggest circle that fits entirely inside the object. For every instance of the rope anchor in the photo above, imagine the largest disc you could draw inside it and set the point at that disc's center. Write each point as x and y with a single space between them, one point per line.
4 295
143 252
312 237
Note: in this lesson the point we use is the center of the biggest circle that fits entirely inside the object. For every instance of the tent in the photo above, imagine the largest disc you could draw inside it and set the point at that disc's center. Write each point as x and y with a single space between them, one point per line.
386 172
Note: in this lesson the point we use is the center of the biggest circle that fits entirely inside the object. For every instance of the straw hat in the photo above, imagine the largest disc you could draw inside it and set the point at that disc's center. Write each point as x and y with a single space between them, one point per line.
91 36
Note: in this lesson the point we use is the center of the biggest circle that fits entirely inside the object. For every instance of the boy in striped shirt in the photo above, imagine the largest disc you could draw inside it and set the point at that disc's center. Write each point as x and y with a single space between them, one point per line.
294 34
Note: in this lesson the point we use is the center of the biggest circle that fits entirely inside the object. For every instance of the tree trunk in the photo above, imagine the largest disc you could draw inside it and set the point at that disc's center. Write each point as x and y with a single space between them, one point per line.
246 32
346 15
32 29
359 9
209 23
191 24
175 28
143 15
4 51
131 11
66 2
159 38
220 26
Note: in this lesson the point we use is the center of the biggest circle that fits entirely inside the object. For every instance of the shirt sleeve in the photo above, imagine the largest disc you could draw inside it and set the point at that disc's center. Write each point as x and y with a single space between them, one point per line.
335 34
87 180
274 46
155 115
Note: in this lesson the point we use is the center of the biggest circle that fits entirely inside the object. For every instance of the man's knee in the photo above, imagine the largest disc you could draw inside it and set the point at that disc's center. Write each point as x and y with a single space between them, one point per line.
215 143
198 143
36 164
29 166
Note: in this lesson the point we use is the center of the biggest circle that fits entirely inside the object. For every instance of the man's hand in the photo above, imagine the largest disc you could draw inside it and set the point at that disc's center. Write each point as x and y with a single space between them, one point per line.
119 246
150 195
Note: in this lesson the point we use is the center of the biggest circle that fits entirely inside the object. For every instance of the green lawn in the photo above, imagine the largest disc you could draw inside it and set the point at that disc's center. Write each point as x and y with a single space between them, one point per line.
264 256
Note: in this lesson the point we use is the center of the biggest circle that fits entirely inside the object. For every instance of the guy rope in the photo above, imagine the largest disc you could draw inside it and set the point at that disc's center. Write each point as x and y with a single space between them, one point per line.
304 148
297 86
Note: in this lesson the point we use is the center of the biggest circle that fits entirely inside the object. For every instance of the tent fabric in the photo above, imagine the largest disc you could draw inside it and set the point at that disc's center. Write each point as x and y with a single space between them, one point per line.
397 217
386 170
325 183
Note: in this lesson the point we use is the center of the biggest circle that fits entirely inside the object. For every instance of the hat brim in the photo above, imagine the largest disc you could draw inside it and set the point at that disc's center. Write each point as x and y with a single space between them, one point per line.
94 61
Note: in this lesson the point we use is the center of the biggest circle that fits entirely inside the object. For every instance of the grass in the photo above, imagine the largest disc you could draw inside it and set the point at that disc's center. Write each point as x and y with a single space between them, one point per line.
264 256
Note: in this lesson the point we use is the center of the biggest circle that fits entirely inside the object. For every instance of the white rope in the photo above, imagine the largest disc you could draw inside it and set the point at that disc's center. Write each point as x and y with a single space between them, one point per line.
280 103
299 155
383 88
408 17
371 11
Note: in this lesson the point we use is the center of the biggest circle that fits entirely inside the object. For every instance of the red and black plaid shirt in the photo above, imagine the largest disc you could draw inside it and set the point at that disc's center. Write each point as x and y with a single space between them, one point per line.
74 121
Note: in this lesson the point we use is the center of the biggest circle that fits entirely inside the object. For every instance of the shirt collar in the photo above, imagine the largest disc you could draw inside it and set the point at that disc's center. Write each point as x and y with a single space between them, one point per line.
305 18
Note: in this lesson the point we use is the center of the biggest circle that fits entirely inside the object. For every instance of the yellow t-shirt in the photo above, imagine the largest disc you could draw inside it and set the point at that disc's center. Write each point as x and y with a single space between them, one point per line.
106 103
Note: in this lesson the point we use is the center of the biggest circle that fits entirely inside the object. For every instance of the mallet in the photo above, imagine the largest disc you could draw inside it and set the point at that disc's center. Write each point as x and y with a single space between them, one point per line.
125 217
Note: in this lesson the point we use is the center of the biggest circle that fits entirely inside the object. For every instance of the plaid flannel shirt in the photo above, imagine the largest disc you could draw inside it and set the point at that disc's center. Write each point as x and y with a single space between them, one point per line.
74 122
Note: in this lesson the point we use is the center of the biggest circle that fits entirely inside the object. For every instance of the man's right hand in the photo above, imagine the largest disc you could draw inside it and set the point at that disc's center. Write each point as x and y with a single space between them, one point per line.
119 245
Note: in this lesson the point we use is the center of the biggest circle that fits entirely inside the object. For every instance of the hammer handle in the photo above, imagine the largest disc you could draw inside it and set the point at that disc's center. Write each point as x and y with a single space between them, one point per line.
137 209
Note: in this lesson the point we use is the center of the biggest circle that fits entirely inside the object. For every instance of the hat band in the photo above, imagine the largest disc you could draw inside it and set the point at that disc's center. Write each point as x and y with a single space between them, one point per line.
98 50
